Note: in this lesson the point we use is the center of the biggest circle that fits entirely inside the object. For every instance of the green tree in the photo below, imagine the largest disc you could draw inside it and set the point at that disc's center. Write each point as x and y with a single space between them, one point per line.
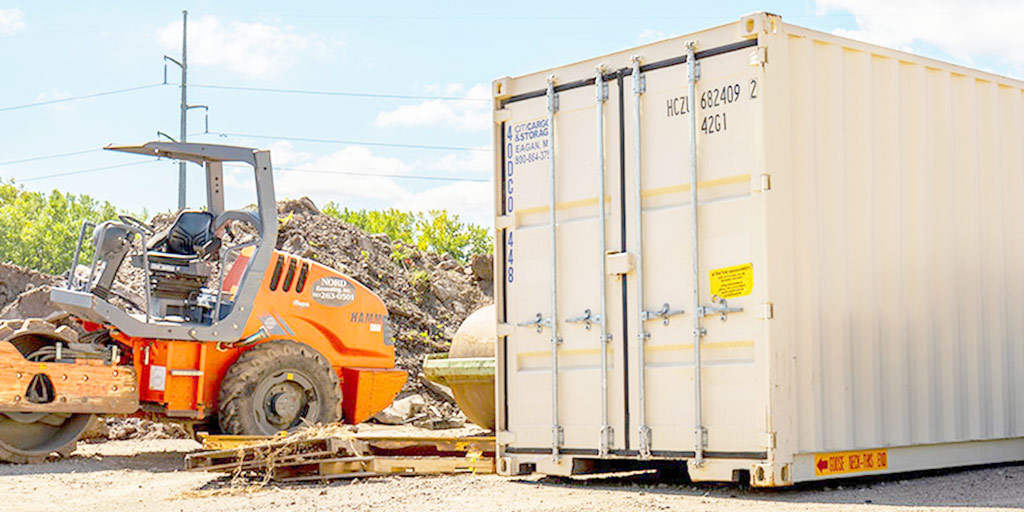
436 231
397 225
439 232
40 230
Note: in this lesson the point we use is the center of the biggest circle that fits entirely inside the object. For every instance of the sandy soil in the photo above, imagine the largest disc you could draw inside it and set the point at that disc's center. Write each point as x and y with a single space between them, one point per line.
146 475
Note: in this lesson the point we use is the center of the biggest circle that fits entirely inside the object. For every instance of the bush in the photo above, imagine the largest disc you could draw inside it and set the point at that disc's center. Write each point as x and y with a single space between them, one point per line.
39 230
436 231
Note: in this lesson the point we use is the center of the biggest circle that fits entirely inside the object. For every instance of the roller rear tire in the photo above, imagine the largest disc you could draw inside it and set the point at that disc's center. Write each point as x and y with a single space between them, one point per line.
278 386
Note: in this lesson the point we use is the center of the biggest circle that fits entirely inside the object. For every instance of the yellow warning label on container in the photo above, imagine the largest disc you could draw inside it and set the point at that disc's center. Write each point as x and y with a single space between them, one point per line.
732 282
840 463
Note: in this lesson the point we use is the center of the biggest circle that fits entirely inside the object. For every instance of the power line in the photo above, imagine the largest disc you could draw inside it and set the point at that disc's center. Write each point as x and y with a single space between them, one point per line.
294 169
47 157
396 176
82 97
337 93
83 171
352 142
503 17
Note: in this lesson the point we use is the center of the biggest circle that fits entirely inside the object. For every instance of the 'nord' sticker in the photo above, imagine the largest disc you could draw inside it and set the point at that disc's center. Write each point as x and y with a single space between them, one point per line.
332 292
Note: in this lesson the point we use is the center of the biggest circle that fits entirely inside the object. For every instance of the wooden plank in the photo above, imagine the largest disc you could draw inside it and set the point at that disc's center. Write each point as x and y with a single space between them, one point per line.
227 442
385 466
310 478
384 445
83 387
252 463
338 466
431 465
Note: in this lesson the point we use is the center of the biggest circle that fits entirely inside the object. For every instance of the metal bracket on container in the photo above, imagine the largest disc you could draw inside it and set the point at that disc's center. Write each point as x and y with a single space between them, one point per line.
664 313
539 322
587 318
552 96
504 329
606 438
557 440
640 80
720 306
645 441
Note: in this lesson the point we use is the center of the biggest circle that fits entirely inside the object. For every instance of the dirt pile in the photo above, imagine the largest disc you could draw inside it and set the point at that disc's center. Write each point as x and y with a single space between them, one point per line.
428 295
18 281
120 428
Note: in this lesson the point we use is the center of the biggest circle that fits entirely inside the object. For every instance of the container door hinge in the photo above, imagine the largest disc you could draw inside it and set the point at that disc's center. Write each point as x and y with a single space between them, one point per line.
506 329
701 434
767 311
645 441
503 115
763 183
769 440
504 222
759 56
606 440
619 263
505 437
557 437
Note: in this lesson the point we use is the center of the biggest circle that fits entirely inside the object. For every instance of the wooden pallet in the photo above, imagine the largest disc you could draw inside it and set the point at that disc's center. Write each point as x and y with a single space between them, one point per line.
356 467
326 458
276 453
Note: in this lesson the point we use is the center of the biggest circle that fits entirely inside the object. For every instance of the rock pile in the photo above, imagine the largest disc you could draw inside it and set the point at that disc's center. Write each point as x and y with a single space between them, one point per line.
427 295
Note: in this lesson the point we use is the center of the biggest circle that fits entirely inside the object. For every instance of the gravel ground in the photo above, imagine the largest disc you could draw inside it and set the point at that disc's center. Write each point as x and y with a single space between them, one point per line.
145 475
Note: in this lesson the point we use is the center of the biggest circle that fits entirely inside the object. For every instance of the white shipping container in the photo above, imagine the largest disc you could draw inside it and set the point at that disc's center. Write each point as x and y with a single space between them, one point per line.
858 246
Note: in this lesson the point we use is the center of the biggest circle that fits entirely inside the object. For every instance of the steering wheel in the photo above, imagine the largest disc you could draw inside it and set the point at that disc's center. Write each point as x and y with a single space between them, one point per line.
132 221
244 216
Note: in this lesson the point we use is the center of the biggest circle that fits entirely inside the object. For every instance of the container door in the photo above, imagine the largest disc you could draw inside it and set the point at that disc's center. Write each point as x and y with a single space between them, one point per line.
567 397
732 380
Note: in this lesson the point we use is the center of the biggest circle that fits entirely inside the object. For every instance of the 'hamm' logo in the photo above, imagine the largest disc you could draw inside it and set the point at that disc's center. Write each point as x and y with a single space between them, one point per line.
332 291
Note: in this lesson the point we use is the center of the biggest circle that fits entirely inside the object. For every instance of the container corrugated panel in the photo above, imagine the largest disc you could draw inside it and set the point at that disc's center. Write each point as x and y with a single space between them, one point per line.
860 230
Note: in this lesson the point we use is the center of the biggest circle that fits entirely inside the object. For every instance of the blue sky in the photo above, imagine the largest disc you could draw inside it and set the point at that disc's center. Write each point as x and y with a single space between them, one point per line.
55 50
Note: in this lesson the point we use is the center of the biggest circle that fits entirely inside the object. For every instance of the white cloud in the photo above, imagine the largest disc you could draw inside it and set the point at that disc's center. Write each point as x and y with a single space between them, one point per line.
471 200
475 162
55 95
470 116
375 183
967 31
650 36
369 178
283 154
11 21
254 50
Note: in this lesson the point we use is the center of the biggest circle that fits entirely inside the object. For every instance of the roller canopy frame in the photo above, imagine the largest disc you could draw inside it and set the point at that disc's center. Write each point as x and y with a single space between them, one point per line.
212 157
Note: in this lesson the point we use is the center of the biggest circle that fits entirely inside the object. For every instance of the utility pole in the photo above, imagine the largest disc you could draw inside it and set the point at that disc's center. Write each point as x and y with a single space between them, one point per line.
185 107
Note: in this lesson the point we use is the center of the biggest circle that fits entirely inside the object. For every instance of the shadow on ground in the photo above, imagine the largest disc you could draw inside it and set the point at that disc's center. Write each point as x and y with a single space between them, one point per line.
987 486
153 462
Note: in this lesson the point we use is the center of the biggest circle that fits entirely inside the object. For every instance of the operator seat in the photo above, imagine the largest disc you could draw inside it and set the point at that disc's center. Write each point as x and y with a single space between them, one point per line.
190 230
177 267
